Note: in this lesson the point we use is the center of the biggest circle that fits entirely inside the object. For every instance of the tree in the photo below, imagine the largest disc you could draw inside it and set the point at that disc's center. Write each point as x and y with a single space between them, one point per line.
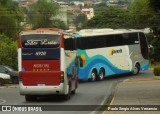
110 18
43 14
141 13
80 19
155 4
10 17
146 14
8 50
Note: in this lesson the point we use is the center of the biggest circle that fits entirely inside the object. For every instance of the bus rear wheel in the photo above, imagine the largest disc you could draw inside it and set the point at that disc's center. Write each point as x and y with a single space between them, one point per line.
68 96
101 74
93 76
136 69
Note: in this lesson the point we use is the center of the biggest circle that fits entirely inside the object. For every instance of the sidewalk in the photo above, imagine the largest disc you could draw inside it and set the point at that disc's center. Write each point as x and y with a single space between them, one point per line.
140 91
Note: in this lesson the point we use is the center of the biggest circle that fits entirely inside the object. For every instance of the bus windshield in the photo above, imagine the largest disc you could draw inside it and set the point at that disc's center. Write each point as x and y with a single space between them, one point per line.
40 41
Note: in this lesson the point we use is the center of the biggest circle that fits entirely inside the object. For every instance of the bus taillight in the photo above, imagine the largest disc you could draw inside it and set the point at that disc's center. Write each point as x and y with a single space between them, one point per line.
62 76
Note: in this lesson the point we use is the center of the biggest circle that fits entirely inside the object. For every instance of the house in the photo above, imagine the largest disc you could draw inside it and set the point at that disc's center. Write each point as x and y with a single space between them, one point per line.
89 12
26 3
88 3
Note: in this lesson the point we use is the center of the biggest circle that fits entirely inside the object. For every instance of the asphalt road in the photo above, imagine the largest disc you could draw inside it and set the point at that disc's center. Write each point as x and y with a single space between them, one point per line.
88 93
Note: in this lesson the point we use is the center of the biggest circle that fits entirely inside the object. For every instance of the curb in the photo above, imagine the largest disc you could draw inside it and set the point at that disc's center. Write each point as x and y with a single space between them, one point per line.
9 86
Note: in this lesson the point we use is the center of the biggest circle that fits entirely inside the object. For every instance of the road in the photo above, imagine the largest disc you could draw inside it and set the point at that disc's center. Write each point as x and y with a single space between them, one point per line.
88 93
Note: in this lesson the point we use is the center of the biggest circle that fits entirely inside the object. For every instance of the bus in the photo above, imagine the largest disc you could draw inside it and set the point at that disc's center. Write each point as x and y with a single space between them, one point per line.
106 52
47 63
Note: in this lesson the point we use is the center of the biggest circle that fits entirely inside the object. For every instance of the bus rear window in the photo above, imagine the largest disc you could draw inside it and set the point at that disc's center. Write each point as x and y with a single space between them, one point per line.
40 41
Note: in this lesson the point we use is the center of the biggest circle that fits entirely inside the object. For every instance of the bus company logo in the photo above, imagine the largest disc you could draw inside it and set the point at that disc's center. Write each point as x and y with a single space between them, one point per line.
40 42
112 51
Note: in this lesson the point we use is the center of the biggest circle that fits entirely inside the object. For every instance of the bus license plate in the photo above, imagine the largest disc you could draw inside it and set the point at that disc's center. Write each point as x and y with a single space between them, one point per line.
41 84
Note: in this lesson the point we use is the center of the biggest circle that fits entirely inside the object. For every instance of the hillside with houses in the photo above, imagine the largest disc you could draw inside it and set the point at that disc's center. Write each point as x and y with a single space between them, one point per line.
73 8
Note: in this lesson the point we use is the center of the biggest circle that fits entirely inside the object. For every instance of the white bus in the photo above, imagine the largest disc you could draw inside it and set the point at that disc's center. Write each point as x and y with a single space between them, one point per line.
106 52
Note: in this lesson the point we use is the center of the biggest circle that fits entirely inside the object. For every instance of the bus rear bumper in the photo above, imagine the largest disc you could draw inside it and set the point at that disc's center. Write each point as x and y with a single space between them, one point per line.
42 90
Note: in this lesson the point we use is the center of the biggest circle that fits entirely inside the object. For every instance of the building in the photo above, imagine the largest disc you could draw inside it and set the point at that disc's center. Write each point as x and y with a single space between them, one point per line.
89 12
88 3
26 2
63 12
78 3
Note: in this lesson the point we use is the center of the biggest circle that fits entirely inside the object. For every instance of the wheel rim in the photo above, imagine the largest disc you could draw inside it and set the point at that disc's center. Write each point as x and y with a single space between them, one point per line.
101 76
93 76
135 70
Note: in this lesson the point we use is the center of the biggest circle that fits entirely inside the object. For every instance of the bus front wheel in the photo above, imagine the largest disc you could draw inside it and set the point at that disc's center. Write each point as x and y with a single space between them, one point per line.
93 76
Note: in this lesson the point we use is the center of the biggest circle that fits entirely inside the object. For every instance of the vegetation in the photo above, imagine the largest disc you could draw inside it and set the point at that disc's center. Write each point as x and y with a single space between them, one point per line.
8 50
81 18
156 71
110 18
43 14
10 17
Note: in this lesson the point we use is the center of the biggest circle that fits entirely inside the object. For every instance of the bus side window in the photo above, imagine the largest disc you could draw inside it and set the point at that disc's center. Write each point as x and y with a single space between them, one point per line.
69 44
144 45
110 40
119 40
82 43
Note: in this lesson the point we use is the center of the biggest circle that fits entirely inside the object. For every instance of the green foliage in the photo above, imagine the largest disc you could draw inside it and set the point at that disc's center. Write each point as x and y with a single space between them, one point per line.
43 14
145 15
155 4
10 18
81 18
156 71
110 18
8 50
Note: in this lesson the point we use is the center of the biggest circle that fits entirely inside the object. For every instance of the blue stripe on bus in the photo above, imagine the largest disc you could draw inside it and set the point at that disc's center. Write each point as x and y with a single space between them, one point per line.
145 66
40 54
110 69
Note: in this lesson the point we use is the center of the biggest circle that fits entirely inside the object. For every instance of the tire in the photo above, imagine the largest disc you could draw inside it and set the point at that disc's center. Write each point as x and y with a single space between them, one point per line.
1 81
73 91
76 85
30 98
93 76
15 80
136 69
101 74
68 96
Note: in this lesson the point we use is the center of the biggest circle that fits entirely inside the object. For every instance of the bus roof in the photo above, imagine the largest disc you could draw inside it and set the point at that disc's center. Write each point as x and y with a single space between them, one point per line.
105 31
42 31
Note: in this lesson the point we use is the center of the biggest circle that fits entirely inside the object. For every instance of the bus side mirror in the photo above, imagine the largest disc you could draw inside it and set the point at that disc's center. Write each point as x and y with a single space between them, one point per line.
151 49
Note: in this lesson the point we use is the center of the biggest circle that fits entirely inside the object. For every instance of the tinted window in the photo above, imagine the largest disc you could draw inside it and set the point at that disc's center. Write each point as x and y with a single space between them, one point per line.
107 40
130 38
82 43
70 44
144 45
40 41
